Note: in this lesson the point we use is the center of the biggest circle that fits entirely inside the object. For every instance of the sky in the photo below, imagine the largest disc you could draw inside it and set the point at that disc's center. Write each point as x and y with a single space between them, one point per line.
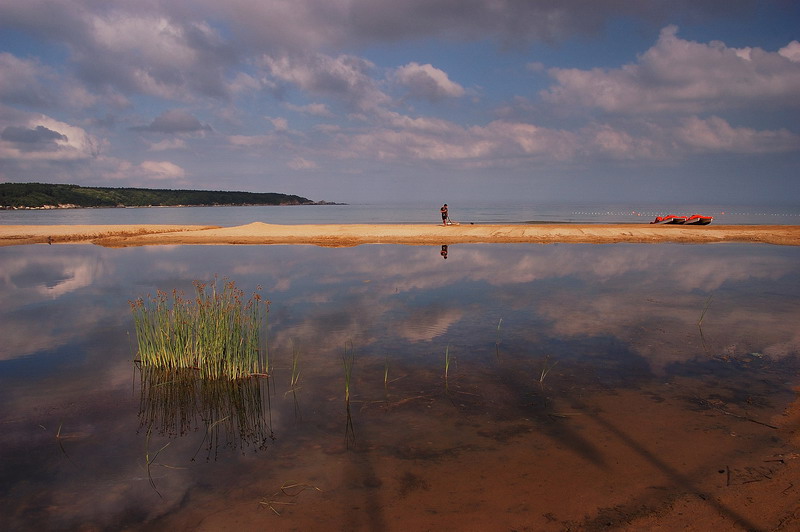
393 101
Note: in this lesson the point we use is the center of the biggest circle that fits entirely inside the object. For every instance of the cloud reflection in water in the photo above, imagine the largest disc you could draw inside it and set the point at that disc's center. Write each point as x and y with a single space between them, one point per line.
66 356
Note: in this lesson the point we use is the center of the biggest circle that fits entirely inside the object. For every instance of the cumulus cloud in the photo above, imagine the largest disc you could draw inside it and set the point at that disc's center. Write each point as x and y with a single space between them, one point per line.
139 50
791 51
314 109
162 170
24 81
403 137
175 51
345 78
43 138
124 170
29 83
36 135
683 76
427 82
715 135
320 24
299 163
175 121
645 140
169 144
279 123
400 137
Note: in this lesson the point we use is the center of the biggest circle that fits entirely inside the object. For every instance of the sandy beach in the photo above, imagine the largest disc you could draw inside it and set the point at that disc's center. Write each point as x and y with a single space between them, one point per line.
345 235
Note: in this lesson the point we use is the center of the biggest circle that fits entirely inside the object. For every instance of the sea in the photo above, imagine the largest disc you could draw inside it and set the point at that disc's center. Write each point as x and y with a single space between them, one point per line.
407 213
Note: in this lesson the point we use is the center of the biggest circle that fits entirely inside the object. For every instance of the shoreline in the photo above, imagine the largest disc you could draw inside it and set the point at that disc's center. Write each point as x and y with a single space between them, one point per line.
348 235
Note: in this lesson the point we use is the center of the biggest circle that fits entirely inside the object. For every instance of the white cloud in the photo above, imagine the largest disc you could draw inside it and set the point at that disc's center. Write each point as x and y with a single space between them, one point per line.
251 141
24 81
683 76
299 163
155 38
124 170
162 170
175 121
676 140
427 82
314 109
345 77
323 24
400 137
715 135
791 51
244 82
280 124
169 144
42 138
29 83
609 142
405 138
145 51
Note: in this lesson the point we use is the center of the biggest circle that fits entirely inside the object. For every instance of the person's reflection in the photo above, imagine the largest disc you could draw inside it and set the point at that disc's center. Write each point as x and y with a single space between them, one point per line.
443 253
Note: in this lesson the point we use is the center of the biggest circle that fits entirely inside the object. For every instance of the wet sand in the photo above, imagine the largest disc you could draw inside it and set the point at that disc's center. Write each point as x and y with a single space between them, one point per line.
344 235
654 458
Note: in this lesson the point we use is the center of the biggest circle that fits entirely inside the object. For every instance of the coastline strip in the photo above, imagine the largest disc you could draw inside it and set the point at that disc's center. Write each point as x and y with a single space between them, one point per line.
346 235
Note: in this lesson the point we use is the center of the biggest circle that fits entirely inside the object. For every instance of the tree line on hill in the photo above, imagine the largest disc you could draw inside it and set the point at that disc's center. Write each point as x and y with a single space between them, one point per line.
43 195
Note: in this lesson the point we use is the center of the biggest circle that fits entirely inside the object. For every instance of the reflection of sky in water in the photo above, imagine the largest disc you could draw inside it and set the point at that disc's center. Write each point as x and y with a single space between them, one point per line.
65 359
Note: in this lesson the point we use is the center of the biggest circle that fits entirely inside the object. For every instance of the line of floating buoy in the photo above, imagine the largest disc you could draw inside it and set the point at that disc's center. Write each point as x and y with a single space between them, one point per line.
722 213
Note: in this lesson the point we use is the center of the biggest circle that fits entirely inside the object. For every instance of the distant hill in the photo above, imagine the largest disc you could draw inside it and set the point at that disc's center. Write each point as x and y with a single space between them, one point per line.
53 196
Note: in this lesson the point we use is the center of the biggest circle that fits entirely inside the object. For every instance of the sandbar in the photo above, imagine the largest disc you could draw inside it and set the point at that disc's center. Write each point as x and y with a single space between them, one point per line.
346 235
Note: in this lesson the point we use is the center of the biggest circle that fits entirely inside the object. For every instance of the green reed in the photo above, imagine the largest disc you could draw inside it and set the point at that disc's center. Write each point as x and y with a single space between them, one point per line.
217 332
497 339
295 378
348 359
546 367
705 309
448 359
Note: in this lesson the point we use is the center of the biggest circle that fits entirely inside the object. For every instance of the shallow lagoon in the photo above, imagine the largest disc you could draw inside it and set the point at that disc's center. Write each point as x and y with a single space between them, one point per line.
581 382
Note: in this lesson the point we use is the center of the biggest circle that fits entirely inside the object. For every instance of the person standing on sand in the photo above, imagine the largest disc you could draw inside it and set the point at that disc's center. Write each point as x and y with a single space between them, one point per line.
443 210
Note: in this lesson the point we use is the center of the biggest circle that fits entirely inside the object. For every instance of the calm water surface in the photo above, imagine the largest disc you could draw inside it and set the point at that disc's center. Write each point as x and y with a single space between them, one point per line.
404 213
557 350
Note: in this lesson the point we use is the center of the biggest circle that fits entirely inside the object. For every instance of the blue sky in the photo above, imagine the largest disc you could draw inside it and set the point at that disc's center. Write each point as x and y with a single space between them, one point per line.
386 101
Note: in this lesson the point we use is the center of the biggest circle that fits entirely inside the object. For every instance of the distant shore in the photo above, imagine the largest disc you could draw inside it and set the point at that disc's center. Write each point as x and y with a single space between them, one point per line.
62 206
345 235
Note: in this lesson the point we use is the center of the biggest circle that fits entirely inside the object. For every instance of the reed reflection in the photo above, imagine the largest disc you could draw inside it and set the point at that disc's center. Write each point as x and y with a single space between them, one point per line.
230 413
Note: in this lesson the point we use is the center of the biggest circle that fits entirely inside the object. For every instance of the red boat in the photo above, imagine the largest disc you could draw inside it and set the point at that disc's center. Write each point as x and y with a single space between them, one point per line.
669 219
698 219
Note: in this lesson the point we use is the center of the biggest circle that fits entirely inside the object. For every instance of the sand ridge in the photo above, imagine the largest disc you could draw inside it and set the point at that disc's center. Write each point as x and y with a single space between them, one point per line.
344 235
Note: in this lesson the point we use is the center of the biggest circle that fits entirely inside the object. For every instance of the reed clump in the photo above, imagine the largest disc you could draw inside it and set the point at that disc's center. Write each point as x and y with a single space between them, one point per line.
217 332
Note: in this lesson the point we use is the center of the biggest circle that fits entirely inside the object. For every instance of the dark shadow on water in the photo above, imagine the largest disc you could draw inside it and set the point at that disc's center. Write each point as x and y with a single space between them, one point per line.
536 405
365 484
565 372
679 479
